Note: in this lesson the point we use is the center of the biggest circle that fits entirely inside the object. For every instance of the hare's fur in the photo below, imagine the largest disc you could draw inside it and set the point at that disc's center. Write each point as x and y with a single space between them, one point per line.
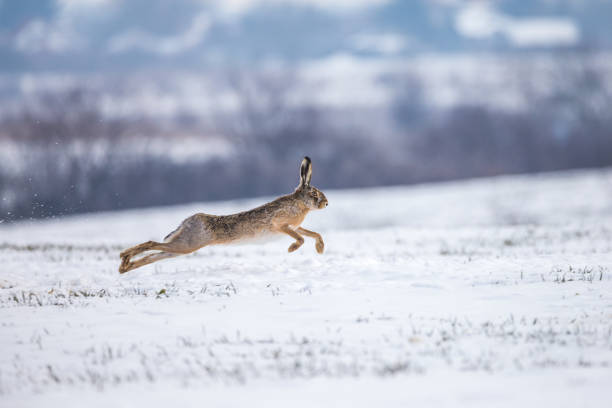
283 215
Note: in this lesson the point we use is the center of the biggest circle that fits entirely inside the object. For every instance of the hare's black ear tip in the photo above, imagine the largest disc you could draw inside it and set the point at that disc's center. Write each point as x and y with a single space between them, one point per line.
307 159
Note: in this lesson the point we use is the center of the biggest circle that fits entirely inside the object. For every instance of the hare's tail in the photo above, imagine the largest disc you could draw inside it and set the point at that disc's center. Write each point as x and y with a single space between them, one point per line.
170 235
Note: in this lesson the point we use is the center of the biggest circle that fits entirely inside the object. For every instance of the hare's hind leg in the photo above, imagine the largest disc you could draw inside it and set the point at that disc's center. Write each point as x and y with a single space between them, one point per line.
182 241
320 245
190 236
173 243
168 250
135 250
126 265
299 240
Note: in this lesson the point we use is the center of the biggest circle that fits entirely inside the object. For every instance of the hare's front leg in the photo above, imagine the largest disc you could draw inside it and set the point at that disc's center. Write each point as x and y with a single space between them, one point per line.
298 238
320 245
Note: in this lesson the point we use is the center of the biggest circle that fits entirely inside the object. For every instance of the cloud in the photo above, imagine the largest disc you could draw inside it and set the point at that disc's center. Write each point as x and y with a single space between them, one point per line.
238 7
542 32
162 45
223 10
79 4
60 34
382 43
53 37
480 20
155 27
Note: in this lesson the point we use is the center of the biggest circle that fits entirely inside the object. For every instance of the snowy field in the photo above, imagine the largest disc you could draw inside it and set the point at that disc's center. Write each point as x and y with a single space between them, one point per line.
494 292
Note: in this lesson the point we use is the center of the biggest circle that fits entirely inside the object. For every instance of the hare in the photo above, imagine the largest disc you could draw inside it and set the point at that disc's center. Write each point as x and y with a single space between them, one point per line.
283 215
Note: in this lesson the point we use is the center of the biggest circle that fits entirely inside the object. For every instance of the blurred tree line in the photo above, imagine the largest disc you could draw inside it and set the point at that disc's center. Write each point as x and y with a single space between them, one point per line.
70 158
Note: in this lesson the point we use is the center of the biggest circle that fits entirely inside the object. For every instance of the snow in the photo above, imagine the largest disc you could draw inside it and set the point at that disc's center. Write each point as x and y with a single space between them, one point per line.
480 293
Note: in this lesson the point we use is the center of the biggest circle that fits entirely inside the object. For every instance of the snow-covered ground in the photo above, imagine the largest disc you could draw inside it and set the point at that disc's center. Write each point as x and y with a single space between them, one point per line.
494 292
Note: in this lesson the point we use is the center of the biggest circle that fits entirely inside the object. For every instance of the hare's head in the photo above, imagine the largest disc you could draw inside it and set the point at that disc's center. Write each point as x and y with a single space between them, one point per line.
311 196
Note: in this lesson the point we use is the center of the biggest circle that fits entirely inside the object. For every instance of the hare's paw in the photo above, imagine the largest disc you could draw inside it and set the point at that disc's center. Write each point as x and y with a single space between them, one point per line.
320 245
125 264
295 246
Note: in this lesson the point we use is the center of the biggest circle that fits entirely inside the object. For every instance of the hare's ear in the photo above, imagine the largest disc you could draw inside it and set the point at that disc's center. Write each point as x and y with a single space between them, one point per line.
305 172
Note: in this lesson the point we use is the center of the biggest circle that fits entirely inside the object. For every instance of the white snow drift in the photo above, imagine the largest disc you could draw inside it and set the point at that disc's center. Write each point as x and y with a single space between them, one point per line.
489 292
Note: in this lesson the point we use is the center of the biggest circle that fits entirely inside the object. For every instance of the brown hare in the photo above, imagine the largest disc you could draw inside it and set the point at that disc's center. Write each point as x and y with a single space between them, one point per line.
283 215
